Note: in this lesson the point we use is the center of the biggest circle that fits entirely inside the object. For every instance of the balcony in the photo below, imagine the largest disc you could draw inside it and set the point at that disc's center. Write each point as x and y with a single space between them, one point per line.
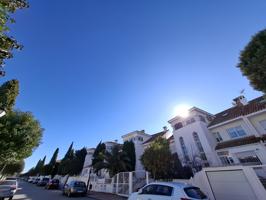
238 142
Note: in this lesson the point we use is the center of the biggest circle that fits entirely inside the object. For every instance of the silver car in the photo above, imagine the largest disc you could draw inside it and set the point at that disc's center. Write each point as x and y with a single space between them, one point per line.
7 189
168 191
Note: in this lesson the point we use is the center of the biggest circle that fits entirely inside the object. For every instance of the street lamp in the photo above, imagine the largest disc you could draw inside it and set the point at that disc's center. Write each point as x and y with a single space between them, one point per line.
2 113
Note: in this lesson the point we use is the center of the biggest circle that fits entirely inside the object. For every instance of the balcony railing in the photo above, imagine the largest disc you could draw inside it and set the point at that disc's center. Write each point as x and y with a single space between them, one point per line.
238 142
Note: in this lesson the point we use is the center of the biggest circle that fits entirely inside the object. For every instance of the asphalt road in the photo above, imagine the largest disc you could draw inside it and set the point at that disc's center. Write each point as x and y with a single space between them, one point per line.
32 192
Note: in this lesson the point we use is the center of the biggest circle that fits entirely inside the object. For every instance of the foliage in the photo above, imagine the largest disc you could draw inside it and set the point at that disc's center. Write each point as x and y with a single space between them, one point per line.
175 168
65 164
187 172
78 162
20 134
129 149
7 43
8 93
114 162
253 61
13 168
98 157
156 158
52 167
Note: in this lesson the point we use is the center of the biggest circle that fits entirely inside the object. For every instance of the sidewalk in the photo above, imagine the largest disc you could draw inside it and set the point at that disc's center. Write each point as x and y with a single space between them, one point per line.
105 196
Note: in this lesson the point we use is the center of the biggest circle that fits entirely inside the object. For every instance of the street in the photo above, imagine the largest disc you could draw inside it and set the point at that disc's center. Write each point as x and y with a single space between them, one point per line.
32 192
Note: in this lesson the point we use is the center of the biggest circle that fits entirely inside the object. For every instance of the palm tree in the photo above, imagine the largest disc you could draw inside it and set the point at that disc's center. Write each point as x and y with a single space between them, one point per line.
114 162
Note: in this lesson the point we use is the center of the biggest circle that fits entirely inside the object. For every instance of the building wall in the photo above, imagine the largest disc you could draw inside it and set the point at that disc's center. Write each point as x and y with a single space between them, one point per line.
255 119
251 126
187 133
223 129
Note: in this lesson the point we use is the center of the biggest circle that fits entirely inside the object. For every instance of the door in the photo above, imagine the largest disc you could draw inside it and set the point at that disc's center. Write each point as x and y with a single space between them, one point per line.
230 184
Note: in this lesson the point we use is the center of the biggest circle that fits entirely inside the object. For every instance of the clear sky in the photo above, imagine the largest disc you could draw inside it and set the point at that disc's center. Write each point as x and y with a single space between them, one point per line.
94 70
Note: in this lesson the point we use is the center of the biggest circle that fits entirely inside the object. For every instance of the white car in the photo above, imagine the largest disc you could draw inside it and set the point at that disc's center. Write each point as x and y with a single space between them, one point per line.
8 188
168 191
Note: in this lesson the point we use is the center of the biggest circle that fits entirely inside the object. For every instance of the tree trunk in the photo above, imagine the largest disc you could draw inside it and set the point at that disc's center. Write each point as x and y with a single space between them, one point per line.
3 168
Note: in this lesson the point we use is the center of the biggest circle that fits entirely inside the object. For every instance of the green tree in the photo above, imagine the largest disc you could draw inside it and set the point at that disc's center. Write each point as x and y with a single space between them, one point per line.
52 167
176 171
98 156
8 93
157 158
42 169
129 149
76 165
8 43
37 168
114 162
253 61
20 134
65 164
14 168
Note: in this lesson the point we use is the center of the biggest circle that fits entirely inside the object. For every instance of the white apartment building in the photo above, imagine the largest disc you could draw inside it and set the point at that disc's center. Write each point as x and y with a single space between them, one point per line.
194 143
88 159
137 137
240 132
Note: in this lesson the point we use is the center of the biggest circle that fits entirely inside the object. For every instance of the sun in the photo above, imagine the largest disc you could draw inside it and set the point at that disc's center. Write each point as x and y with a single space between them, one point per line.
182 110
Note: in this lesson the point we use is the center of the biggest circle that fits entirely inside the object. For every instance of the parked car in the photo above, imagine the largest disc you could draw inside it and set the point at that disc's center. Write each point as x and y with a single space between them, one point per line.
8 188
43 181
30 179
35 180
52 184
75 188
168 191
11 178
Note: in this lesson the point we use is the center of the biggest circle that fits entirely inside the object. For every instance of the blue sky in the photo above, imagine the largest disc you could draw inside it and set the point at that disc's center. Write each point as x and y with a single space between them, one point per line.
94 70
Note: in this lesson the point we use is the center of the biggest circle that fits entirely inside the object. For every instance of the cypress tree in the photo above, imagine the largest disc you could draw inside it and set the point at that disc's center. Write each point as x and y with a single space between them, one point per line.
52 166
129 149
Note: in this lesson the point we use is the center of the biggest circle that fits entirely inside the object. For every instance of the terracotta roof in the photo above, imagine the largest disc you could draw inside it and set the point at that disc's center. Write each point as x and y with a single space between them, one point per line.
237 111
154 136
238 142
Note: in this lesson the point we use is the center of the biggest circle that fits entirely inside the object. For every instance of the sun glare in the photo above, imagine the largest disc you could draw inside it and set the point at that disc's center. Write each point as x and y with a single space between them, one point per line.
182 110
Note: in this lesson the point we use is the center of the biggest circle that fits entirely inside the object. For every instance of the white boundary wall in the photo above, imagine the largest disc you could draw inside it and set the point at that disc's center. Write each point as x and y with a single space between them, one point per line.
249 179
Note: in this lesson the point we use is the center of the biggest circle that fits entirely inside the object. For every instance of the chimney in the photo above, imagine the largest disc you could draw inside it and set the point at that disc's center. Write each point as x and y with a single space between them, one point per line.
165 128
240 101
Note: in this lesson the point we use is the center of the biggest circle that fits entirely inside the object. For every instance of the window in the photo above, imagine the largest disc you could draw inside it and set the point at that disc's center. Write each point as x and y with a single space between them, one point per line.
202 118
184 149
155 189
263 124
199 146
226 160
194 192
248 158
164 190
218 137
236 132
150 189
140 139
178 125
190 121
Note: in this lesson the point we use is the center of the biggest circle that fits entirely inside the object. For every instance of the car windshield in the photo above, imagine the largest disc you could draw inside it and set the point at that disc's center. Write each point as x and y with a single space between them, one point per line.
79 184
194 192
8 182
45 179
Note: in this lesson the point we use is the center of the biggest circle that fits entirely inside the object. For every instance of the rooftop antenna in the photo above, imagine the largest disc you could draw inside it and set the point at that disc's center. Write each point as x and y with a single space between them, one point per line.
242 91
